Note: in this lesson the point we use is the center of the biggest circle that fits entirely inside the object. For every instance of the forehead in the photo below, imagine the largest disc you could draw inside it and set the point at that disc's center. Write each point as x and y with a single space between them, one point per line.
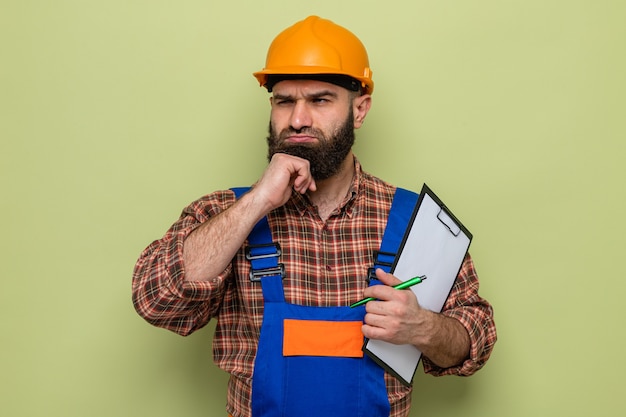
304 88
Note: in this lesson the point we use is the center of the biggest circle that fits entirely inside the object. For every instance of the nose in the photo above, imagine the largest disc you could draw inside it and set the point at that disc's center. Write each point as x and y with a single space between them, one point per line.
300 116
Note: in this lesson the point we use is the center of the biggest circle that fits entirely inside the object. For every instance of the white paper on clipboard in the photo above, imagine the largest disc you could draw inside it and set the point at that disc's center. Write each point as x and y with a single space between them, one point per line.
434 245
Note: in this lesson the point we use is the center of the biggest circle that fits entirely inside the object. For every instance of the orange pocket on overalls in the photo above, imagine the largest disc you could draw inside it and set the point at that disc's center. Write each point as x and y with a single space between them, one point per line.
322 338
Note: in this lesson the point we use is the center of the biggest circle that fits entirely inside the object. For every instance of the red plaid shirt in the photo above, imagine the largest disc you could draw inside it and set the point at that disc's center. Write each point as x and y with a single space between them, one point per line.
326 265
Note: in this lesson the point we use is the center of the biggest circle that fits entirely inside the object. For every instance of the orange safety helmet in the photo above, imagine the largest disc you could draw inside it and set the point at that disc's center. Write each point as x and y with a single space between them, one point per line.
316 47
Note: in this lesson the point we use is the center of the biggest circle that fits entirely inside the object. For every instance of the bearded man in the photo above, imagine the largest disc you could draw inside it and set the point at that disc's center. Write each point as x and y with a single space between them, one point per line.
279 263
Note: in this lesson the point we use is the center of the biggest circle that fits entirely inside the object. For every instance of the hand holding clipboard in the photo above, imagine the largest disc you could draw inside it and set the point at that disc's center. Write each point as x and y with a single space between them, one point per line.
434 245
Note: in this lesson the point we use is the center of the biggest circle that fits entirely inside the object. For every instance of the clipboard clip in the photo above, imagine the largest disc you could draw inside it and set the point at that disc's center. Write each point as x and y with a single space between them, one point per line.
444 217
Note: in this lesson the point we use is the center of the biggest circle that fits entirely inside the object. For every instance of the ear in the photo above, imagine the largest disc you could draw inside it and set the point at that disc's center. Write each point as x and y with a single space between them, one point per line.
360 107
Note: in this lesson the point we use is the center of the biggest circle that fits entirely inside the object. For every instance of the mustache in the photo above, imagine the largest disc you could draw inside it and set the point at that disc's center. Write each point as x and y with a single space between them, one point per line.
310 131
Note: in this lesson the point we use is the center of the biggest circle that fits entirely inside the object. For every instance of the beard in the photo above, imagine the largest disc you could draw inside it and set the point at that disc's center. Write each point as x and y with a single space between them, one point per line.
325 157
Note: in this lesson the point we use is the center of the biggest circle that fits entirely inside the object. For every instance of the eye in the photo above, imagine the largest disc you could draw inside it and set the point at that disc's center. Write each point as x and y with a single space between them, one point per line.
283 102
320 100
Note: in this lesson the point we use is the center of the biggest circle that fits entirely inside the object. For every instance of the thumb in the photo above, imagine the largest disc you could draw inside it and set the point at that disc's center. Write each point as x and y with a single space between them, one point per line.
387 278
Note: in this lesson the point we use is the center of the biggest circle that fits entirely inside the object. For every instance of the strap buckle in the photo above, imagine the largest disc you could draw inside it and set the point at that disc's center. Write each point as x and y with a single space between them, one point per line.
262 251
261 264
381 259
384 258
371 274
257 274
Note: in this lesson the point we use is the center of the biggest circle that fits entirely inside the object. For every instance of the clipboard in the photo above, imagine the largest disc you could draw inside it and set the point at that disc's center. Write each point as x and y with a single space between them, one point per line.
434 244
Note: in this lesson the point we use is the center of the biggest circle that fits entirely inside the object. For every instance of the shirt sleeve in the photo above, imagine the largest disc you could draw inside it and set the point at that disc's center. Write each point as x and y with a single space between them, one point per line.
476 315
160 293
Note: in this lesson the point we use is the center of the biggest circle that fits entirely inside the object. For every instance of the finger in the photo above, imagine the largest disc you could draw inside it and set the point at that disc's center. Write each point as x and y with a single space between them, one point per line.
380 292
375 320
302 178
373 332
378 328
304 184
386 278
375 307
387 294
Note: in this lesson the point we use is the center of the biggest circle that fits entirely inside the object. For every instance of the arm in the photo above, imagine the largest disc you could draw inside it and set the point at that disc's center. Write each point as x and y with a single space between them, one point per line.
160 293
180 279
457 341
219 239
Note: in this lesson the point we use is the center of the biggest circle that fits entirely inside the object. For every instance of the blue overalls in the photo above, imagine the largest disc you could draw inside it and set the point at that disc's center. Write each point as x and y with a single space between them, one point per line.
297 373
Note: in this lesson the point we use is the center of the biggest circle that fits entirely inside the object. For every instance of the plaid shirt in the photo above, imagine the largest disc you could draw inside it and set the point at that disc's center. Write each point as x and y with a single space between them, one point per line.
326 265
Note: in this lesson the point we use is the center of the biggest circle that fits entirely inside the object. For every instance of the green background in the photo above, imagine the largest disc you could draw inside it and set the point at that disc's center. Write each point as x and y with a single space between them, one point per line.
116 114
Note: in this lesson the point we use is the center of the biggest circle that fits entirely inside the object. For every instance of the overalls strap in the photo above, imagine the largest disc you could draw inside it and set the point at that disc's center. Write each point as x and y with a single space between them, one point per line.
400 215
263 253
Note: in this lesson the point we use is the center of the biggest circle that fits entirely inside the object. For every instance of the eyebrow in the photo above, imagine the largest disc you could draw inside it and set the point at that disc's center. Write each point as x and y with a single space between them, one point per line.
318 94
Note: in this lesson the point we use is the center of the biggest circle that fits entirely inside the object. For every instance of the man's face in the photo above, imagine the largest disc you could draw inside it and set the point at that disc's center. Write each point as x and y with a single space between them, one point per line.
313 120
